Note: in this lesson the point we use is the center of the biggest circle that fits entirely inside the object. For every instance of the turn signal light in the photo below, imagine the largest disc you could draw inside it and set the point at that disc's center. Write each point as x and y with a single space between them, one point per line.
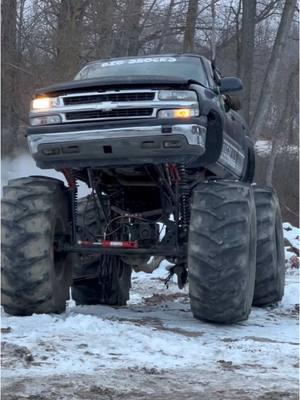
178 113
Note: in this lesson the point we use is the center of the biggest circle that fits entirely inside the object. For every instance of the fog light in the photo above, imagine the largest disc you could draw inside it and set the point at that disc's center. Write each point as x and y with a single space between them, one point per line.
178 113
45 120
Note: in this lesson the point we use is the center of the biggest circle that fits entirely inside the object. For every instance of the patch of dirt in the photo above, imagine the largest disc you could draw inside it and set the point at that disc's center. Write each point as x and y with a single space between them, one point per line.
292 312
157 324
296 309
98 392
145 370
12 354
181 331
82 346
257 366
228 365
267 340
229 340
147 321
276 395
159 298
143 384
6 330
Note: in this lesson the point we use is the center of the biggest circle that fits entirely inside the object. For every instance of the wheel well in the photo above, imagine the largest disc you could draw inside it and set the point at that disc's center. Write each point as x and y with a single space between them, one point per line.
250 166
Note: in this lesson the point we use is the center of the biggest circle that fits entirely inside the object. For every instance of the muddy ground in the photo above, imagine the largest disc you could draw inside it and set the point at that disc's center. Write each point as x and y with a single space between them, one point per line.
152 349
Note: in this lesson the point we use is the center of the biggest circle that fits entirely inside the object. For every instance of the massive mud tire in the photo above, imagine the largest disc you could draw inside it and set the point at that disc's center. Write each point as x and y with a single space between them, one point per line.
112 281
222 251
270 260
35 278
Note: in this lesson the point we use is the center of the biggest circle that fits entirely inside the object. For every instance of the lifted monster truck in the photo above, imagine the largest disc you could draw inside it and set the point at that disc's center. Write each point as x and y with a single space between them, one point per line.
158 141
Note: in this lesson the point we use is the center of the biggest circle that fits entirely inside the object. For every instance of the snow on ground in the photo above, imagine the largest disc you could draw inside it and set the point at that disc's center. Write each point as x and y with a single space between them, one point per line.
292 239
153 338
152 348
292 234
263 147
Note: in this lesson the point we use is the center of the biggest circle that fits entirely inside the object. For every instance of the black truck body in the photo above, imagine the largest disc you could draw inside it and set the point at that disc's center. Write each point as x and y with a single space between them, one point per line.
122 127
169 166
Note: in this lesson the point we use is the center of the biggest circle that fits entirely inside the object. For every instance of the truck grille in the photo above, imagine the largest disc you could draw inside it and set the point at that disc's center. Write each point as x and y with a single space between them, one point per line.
117 97
120 113
112 104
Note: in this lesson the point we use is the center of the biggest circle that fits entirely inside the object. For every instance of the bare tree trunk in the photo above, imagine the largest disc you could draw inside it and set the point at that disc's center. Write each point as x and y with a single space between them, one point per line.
280 134
134 27
247 51
237 37
190 27
104 12
213 30
273 66
271 162
68 38
20 26
165 27
131 28
9 97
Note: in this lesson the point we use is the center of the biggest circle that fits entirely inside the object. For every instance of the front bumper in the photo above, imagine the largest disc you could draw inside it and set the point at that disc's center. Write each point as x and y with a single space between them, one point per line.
116 146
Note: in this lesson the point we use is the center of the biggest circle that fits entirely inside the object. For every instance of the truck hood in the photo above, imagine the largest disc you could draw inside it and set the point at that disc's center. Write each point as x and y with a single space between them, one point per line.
113 82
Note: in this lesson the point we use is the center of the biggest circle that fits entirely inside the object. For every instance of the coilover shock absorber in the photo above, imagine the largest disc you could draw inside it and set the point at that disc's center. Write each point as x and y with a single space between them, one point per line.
73 188
184 198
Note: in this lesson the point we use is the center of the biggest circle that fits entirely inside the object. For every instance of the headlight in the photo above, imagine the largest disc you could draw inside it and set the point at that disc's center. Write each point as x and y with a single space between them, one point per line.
44 103
178 113
45 120
187 95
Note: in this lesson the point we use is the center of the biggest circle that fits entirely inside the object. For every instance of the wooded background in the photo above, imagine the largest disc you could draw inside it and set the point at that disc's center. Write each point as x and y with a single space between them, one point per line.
46 41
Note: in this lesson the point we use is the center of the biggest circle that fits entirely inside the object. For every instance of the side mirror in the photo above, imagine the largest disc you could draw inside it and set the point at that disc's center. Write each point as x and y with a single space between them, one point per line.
230 84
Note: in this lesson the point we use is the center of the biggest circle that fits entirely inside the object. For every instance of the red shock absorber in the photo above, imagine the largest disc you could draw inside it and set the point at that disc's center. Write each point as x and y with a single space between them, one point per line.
71 180
173 172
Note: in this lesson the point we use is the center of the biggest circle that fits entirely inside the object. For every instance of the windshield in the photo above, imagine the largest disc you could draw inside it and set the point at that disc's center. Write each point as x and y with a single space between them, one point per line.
183 67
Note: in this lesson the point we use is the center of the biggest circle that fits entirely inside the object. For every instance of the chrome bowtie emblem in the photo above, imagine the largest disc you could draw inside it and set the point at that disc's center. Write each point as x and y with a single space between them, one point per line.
106 106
